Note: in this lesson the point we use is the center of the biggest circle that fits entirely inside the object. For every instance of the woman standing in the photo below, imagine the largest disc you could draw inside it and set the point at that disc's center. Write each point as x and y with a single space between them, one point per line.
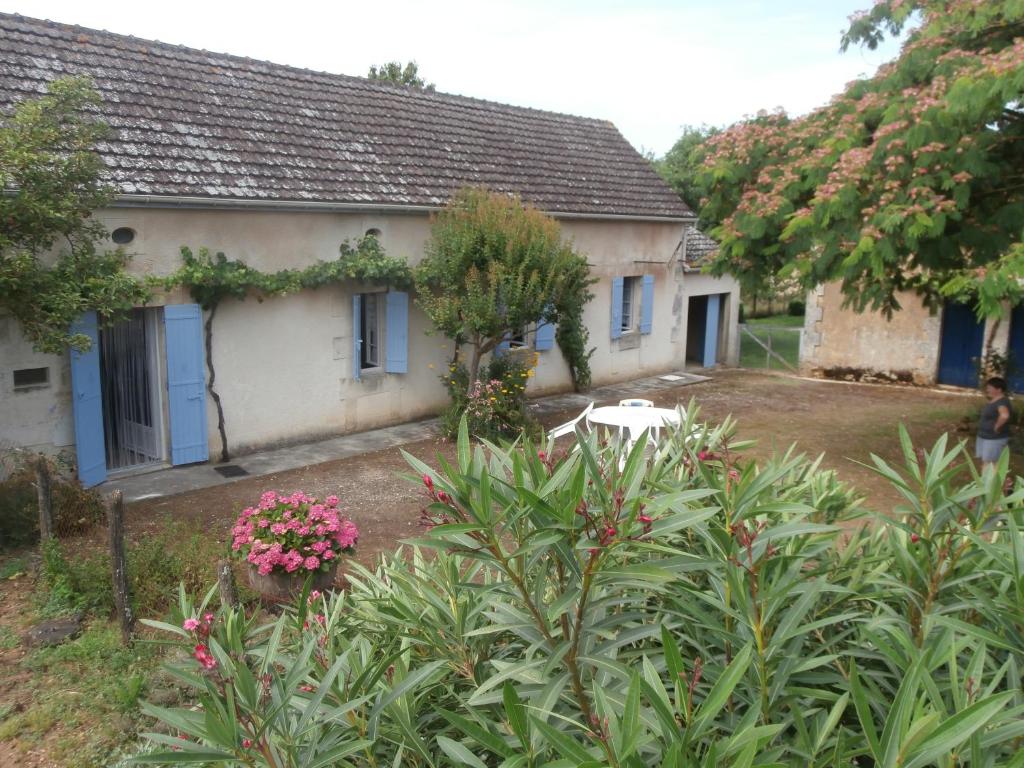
994 427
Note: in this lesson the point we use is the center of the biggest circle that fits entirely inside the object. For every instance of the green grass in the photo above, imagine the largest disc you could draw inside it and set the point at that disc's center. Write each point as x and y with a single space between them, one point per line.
89 688
778 321
784 342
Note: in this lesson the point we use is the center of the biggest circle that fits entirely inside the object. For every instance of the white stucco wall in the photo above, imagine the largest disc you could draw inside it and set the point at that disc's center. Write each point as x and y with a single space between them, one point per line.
284 366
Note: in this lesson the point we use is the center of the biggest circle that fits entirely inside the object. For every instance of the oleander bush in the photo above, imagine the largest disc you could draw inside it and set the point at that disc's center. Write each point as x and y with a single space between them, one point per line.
691 608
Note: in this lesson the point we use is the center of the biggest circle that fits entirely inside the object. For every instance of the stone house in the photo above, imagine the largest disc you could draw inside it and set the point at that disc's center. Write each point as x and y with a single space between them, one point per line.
277 166
916 345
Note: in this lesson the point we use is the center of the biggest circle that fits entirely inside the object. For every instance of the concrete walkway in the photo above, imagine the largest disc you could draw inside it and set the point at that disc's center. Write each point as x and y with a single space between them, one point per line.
171 480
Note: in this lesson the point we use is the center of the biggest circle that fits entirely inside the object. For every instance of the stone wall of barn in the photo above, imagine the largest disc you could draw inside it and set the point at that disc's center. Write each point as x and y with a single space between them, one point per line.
840 343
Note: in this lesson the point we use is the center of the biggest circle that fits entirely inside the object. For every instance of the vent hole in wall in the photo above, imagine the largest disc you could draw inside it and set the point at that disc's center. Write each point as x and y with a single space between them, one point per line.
123 235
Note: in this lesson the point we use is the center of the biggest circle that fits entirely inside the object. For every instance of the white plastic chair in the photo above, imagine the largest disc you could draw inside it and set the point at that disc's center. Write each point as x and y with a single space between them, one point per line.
570 426
636 402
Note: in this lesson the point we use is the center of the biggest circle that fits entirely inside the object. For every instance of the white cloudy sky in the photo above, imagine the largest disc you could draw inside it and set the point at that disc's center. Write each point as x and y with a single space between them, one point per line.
649 66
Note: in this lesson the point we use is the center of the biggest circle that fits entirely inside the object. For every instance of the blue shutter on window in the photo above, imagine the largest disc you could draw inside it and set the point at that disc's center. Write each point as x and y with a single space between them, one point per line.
186 383
396 330
647 304
617 283
544 337
87 405
503 345
357 336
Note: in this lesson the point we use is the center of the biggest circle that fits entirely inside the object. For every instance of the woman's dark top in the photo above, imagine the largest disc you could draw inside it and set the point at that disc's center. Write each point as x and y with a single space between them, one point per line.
989 414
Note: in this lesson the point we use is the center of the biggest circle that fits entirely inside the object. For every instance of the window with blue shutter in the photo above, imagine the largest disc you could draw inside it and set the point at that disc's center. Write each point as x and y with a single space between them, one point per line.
504 345
357 336
87 405
186 383
617 285
544 337
397 332
647 304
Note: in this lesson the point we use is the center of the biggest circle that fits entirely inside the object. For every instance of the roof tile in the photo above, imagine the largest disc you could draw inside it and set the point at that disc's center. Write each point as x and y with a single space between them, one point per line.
192 123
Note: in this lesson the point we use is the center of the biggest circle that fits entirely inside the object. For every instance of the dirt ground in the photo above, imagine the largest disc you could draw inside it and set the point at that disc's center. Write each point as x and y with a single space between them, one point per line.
846 422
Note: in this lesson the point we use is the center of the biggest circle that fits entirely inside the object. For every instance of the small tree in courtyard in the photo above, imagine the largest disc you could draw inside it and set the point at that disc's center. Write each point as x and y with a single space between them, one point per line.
49 164
495 266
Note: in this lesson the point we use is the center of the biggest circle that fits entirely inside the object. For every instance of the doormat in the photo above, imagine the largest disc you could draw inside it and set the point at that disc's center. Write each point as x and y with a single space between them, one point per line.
671 377
230 470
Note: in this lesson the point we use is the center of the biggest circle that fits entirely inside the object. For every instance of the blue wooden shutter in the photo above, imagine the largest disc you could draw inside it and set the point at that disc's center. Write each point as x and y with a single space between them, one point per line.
397 331
647 304
504 345
617 283
711 332
544 337
357 336
87 405
186 383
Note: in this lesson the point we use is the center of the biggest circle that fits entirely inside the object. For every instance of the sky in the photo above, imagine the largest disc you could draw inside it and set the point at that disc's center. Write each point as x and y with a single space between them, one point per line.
649 66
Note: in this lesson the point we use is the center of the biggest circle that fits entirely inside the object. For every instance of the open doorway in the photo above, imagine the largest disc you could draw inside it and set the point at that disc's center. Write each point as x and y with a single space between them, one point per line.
130 380
696 330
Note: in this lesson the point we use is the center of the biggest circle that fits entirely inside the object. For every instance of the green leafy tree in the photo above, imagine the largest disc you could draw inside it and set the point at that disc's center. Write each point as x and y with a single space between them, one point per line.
494 266
681 165
51 270
911 180
396 72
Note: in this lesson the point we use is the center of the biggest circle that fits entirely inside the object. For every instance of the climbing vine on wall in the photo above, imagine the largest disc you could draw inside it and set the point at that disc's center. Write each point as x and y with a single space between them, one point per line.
211 278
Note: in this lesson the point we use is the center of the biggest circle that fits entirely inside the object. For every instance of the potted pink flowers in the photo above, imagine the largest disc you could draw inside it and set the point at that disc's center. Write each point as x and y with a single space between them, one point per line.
286 538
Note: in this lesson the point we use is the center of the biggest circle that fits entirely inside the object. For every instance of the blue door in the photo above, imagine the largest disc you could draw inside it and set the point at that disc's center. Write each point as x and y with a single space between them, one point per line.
87 405
711 331
1016 369
960 346
186 383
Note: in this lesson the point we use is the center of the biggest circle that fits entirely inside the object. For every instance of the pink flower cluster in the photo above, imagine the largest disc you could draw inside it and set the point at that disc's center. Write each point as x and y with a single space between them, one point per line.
292 532
201 629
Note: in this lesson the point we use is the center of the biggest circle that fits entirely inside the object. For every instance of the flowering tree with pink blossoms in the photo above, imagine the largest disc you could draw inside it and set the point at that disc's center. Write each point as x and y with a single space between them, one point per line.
911 180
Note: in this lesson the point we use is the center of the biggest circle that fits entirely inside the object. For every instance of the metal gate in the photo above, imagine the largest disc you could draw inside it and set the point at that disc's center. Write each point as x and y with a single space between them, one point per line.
130 380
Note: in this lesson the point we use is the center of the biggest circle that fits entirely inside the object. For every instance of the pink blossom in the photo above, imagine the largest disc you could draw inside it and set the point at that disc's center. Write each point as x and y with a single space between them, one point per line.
311 563
190 625
204 657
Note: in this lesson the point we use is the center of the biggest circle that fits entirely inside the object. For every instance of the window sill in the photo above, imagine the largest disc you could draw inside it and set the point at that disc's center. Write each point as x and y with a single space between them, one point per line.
629 340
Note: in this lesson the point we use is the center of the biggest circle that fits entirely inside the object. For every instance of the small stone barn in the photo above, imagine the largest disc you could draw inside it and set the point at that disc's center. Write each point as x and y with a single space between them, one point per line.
916 345
278 166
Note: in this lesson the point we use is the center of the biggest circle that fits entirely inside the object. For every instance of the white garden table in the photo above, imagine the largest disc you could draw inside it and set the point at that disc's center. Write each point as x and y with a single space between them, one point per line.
634 418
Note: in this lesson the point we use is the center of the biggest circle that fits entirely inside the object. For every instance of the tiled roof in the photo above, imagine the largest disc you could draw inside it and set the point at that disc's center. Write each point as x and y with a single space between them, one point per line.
191 123
699 247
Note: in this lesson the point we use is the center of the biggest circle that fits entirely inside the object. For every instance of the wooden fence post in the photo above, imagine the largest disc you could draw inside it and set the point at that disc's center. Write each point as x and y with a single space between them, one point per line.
226 583
44 493
115 523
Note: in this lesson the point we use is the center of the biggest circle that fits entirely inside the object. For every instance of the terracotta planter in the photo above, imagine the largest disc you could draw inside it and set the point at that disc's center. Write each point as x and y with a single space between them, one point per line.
278 588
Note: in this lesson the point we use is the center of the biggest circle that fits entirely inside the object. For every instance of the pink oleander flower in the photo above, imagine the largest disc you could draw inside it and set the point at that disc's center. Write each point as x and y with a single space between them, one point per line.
204 657
190 625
